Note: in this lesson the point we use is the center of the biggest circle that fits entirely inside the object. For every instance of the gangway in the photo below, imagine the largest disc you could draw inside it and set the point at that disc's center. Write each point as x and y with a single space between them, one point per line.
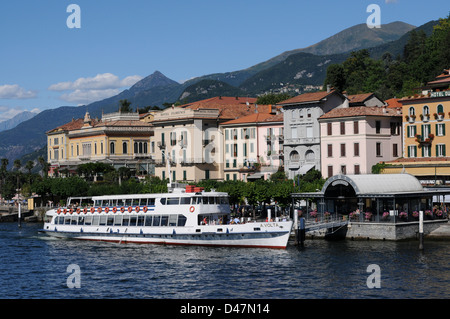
313 226
304 226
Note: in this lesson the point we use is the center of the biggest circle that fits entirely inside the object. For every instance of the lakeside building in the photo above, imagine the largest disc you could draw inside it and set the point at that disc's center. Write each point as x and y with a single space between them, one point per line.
426 120
356 138
120 139
190 137
253 146
302 130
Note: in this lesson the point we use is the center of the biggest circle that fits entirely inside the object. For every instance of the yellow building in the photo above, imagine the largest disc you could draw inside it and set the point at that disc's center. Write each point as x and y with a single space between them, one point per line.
120 139
426 133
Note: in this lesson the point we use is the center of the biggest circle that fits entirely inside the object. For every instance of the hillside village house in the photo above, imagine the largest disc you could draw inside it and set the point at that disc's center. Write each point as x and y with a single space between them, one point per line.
189 136
253 146
356 138
120 139
302 131
426 120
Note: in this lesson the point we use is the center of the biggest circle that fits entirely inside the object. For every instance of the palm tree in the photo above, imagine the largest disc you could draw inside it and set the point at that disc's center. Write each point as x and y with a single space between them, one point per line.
125 106
3 167
29 166
44 165
17 166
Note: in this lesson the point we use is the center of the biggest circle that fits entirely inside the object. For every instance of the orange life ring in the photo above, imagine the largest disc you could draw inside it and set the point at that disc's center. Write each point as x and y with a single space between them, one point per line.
106 210
65 210
78 211
192 209
130 209
71 211
99 209
137 209
85 210
114 210
122 209
59 211
92 209
145 209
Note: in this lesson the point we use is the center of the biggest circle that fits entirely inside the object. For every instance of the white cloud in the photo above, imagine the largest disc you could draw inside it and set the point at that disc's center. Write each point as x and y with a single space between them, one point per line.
91 89
14 91
88 96
103 81
8 112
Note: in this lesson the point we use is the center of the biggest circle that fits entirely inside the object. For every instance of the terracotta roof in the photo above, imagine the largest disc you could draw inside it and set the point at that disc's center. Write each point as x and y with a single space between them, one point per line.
393 103
359 98
307 97
359 111
72 125
257 118
127 123
229 107
418 160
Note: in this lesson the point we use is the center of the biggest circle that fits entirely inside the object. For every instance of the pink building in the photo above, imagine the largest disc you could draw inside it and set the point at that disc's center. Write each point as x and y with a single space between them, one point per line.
356 138
253 146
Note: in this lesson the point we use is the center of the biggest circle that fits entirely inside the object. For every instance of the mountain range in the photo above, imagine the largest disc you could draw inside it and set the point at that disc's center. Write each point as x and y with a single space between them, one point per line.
296 69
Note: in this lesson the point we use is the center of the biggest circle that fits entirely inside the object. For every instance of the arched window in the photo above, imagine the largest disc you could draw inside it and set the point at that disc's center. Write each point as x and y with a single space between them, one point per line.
294 156
135 147
440 109
112 148
145 148
412 111
310 156
124 148
426 110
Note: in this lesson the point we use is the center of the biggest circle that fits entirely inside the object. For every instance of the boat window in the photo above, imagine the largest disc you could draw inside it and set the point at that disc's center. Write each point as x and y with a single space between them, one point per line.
196 200
181 220
151 201
136 202
173 220
148 220
164 219
224 200
98 202
140 220
133 220
205 200
211 200
125 220
95 220
59 220
110 220
128 202
118 220
74 221
88 220
185 200
81 220
163 201
103 220
156 220
173 201
67 220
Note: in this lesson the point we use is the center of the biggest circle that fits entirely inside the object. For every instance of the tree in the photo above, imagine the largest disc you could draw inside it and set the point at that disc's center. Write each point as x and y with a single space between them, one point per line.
272 98
125 106
335 77
45 165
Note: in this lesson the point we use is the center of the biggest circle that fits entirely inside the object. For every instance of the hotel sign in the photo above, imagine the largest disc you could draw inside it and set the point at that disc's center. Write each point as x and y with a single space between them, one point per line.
440 94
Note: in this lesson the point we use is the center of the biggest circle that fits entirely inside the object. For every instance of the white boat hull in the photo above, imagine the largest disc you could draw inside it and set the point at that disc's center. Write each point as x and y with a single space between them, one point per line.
256 234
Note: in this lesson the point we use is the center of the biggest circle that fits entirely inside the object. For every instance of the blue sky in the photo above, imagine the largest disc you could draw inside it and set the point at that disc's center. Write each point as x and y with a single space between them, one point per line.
44 64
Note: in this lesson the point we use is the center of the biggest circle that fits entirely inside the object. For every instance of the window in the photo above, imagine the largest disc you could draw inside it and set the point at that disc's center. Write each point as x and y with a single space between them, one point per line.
412 151
357 169
411 131
440 109
426 110
124 148
412 111
342 150
440 129
330 150
330 170
426 151
355 127
356 149
309 131
329 129
378 149
377 127
426 130
294 156
342 128
440 150
395 150
112 148
343 169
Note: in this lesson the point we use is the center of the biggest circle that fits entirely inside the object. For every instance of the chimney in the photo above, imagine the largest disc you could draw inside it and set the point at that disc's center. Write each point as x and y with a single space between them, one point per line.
328 88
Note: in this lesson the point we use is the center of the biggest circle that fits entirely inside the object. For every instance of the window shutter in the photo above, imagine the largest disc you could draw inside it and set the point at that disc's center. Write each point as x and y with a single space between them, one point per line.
443 150
443 129
409 151
437 150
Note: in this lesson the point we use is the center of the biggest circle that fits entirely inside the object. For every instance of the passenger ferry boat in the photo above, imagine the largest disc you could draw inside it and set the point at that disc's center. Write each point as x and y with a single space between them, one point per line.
187 216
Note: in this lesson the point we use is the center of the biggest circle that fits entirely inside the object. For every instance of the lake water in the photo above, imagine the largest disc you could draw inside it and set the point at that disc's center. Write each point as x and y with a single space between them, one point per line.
34 266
